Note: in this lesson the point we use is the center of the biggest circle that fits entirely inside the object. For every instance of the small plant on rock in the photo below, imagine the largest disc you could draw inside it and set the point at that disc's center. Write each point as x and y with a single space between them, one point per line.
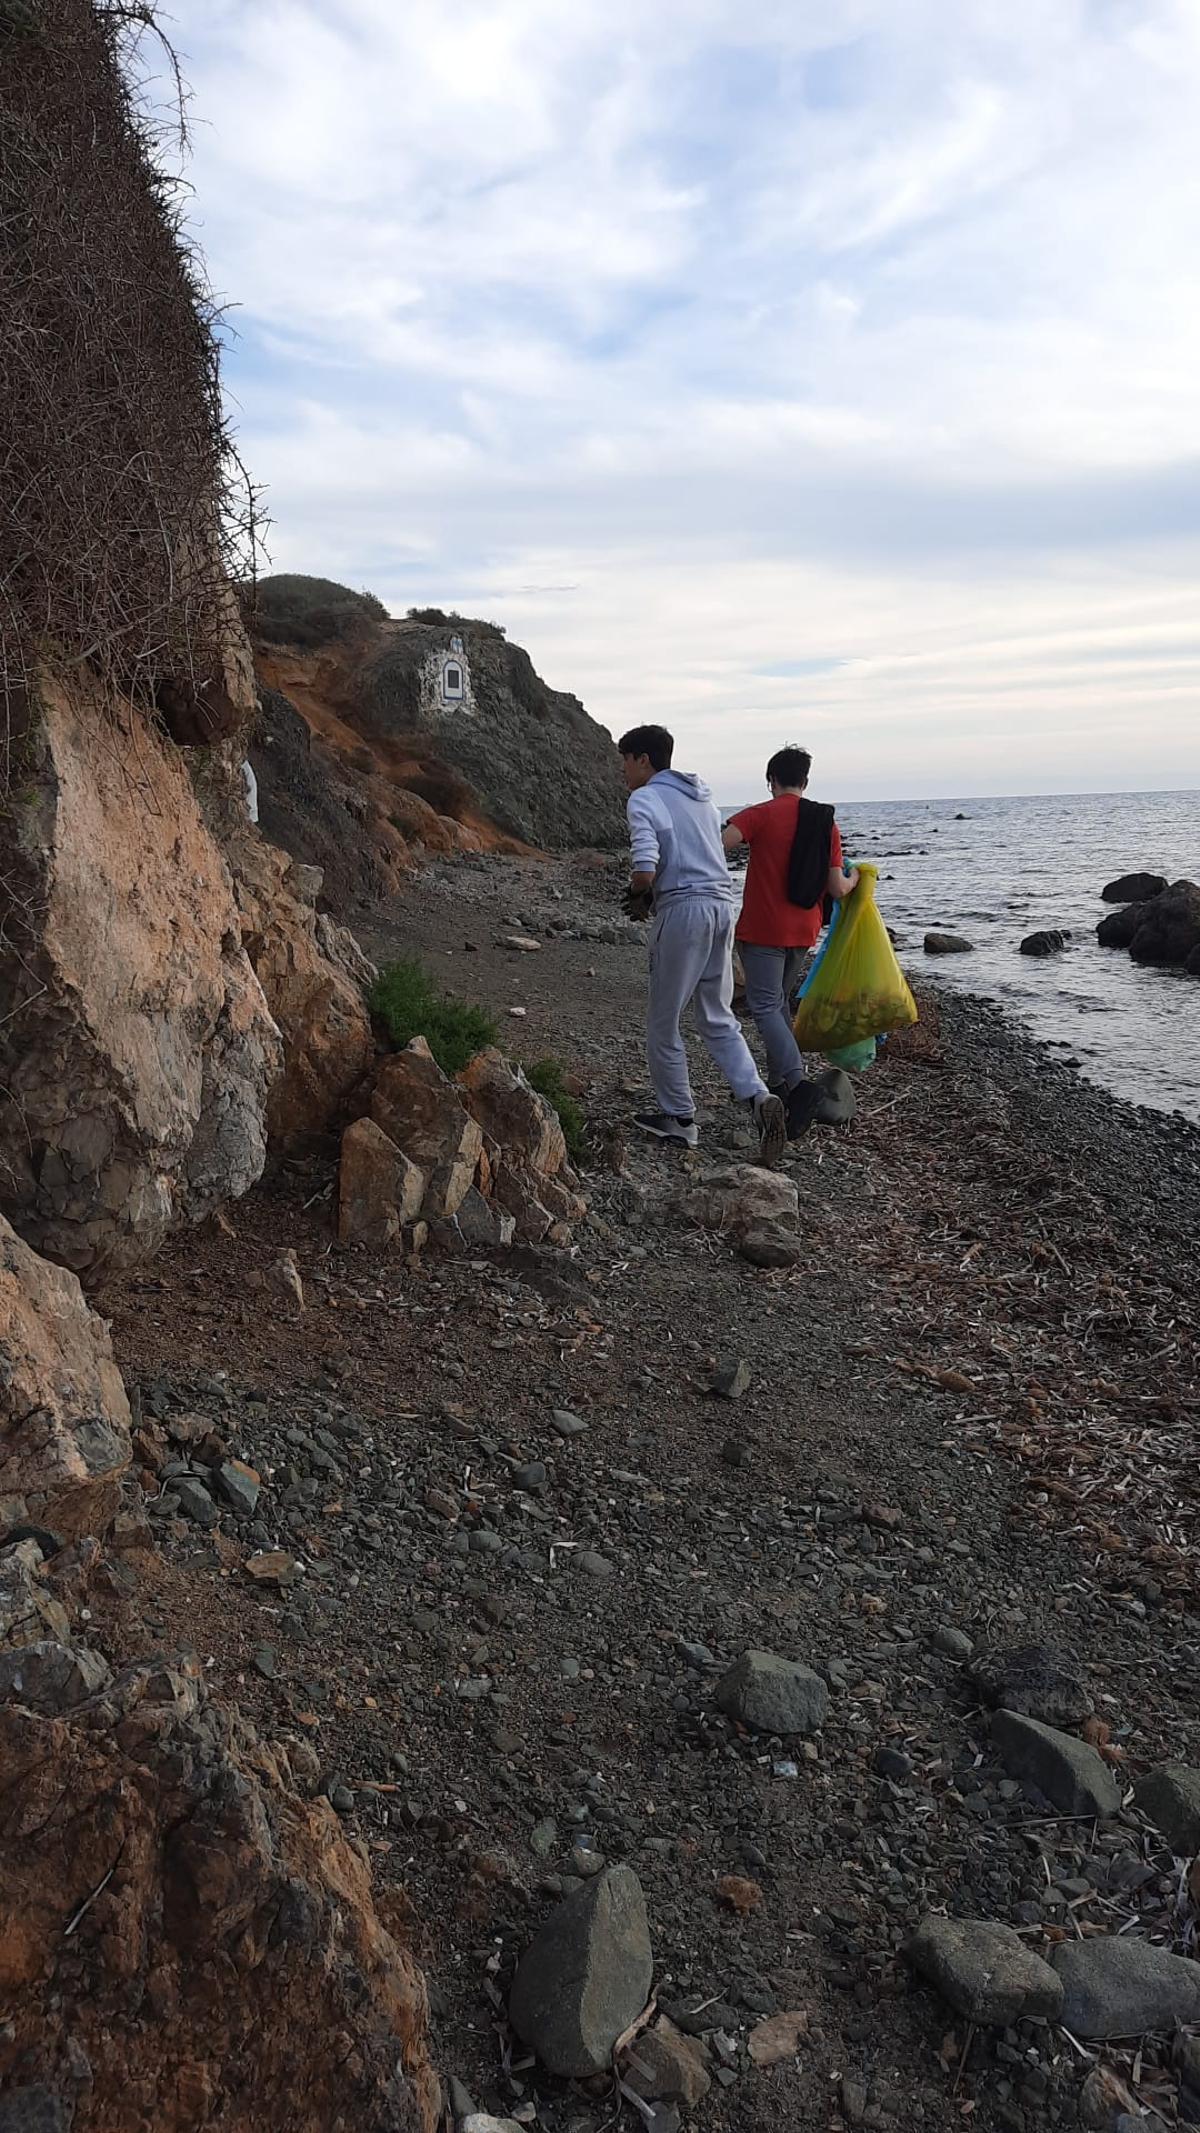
405 1004
548 1077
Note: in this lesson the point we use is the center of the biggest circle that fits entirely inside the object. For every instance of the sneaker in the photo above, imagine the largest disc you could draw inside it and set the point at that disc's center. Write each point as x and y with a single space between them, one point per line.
772 1122
663 1127
802 1105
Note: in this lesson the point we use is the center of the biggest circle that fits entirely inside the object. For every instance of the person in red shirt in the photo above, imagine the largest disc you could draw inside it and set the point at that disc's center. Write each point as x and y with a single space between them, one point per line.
791 853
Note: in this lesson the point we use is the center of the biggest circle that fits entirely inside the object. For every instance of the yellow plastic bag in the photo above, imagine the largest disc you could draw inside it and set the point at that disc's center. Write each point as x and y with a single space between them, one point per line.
857 988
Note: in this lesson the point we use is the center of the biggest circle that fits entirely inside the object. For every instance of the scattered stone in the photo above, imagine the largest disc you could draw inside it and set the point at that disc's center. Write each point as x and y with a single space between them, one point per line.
483 2122
778 2038
1073 1777
952 1643
770 1245
665 2066
273 1566
51 1677
773 1695
543 1838
194 1500
1170 1797
1114 1986
738 1894
239 1485
1051 941
735 1451
838 1104
737 1200
731 1379
530 1478
1040 1680
585 1977
567 1425
894 1764
947 944
985 1971
519 944
592 1564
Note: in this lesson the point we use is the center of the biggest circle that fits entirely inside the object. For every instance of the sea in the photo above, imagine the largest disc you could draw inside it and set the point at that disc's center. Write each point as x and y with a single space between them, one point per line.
994 870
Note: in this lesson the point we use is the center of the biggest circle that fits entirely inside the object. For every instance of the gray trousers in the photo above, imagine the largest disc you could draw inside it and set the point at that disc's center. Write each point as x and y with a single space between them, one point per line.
691 958
771 974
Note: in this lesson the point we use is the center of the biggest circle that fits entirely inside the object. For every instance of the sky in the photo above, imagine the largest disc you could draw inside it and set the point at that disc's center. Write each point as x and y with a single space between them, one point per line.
779 372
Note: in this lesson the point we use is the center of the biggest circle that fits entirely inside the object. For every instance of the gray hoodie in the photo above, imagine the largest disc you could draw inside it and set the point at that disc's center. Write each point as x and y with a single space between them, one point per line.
676 836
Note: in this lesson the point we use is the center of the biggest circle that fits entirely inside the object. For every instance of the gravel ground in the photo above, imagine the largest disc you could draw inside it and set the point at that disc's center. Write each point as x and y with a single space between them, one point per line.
968 1425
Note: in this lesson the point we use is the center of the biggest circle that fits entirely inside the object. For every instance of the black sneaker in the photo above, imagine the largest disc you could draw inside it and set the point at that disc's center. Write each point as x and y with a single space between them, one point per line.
663 1127
772 1122
802 1105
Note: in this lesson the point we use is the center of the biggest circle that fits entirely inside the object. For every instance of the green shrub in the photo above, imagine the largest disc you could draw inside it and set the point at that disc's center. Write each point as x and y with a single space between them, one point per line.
290 608
547 1076
406 1004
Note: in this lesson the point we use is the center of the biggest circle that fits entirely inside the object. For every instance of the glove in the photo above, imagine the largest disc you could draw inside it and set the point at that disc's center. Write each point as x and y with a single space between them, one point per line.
638 904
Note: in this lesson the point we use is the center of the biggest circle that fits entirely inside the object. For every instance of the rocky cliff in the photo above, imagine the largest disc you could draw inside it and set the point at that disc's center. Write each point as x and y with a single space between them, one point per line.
433 731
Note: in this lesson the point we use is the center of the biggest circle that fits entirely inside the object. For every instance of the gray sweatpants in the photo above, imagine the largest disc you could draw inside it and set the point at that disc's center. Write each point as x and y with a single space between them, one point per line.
691 958
771 974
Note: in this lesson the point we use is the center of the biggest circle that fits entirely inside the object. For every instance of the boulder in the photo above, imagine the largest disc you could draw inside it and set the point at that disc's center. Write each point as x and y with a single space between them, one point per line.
1170 927
1170 1798
64 1417
418 1109
985 1971
379 1189
947 944
773 1695
1050 942
737 1200
771 1245
1133 888
1040 1680
136 1046
838 1103
181 1925
1071 1775
1192 966
1114 1986
523 1123
585 1977
51 1676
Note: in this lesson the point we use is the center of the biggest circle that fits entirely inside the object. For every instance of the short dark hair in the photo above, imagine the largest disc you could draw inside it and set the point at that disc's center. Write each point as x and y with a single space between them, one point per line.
652 741
789 766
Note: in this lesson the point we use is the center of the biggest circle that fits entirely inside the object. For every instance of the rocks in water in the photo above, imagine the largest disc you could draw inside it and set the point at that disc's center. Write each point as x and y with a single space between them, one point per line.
1073 1777
770 1245
586 1976
419 1111
664 2066
1040 1680
947 944
731 1379
64 1417
1114 1986
984 1970
1170 1797
1164 929
1133 888
379 1188
1170 928
1049 942
773 1695
838 1103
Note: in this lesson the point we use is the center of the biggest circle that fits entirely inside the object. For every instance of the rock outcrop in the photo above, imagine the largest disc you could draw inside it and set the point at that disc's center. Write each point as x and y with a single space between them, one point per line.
1133 888
185 1941
64 1418
136 1046
451 738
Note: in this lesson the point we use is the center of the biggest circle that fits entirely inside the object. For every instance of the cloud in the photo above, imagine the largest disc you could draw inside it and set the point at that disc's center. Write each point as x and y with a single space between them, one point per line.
845 368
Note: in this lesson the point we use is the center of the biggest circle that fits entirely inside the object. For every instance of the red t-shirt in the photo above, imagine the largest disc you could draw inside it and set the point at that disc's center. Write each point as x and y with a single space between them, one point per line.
769 919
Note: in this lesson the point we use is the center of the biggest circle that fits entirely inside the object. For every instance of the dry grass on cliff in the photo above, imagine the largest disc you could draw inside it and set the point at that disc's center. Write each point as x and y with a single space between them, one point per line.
126 510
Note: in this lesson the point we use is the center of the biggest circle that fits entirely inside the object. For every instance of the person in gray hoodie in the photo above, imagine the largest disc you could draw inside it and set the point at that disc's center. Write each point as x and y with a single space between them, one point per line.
680 872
